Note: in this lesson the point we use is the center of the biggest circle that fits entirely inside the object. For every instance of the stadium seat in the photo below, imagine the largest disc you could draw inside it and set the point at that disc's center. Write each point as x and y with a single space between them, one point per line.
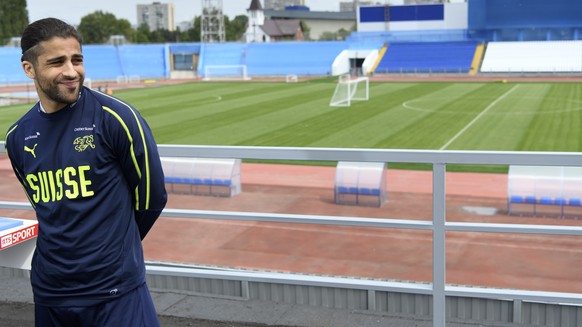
516 199
415 57
220 187
365 191
530 199
546 200
573 209
560 201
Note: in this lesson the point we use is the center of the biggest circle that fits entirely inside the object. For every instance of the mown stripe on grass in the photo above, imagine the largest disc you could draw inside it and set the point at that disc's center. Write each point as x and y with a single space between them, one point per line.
249 110
390 121
556 125
434 128
308 131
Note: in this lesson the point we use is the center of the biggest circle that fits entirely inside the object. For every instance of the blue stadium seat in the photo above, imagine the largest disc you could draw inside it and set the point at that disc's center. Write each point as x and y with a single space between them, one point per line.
301 58
546 200
174 180
530 199
560 201
428 57
342 190
364 191
221 182
575 202
516 199
144 60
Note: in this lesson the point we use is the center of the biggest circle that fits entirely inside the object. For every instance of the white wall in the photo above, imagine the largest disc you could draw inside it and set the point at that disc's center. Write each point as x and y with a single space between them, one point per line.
341 64
542 56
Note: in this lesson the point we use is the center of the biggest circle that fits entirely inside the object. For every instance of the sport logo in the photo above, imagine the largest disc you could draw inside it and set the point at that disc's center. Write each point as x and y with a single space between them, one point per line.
27 149
83 142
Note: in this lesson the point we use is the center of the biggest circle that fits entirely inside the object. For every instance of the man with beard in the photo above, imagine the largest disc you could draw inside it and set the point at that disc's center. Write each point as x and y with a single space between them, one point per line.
91 170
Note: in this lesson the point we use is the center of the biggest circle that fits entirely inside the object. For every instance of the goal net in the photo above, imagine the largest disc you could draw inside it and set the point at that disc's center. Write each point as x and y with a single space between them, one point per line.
350 89
225 72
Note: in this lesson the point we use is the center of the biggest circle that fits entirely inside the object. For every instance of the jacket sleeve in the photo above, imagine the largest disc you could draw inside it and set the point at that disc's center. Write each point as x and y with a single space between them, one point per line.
142 167
9 141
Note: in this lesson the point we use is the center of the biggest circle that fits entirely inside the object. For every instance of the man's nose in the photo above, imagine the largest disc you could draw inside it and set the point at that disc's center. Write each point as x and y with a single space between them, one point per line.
69 69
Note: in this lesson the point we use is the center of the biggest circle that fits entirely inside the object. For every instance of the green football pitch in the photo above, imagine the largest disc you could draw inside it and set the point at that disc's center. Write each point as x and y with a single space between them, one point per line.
427 115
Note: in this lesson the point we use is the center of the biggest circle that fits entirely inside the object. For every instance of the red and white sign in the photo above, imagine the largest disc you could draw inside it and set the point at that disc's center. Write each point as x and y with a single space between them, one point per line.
13 236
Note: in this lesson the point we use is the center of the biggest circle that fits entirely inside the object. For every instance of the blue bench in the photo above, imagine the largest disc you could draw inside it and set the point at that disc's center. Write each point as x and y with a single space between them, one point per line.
537 204
200 185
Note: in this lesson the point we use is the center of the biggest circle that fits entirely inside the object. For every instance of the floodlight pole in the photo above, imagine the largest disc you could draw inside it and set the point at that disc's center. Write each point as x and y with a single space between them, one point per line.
212 22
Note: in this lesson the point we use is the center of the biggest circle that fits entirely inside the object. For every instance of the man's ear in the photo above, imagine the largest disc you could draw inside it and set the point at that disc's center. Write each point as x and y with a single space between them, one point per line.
28 69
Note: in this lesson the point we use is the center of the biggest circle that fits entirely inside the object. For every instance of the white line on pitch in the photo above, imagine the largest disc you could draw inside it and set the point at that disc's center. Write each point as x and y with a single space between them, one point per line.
478 116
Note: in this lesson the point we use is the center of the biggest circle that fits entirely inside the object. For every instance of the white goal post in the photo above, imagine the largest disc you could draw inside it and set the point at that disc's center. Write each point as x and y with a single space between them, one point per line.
225 72
350 89
291 78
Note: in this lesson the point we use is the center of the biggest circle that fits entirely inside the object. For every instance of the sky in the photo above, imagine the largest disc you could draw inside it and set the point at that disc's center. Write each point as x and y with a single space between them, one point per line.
72 11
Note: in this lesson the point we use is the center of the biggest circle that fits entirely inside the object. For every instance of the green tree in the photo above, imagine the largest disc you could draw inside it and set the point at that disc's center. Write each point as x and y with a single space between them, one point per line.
142 34
192 34
97 27
13 19
328 36
306 30
236 28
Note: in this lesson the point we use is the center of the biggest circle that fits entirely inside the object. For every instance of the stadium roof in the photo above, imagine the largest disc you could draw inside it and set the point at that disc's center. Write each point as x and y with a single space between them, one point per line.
300 14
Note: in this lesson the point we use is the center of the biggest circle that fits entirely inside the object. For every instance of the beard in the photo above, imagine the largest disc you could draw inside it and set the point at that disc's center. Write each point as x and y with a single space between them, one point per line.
58 92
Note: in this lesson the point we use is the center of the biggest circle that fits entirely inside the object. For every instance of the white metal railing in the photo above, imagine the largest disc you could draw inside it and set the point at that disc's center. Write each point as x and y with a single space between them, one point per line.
439 226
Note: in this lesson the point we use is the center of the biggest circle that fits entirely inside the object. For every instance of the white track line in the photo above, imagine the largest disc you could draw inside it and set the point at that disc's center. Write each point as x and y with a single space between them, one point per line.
478 116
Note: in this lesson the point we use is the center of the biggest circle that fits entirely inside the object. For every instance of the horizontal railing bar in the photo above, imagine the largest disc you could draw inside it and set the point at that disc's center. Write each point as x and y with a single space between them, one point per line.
293 279
375 155
358 283
300 219
15 205
372 155
514 228
512 294
351 221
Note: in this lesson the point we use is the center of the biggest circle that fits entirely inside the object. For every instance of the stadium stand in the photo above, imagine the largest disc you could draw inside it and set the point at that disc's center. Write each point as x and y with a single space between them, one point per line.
146 61
300 58
101 62
428 57
11 71
409 36
222 54
185 48
533 56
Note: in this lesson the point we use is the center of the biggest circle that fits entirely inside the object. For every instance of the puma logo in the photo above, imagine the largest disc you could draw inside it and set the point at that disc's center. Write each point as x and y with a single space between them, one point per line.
27 149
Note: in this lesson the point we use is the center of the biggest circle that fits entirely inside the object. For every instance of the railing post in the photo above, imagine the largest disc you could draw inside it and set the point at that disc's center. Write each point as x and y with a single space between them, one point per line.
438 245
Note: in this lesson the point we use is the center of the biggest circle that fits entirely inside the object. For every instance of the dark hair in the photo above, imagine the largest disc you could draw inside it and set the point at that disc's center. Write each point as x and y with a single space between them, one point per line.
44 30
